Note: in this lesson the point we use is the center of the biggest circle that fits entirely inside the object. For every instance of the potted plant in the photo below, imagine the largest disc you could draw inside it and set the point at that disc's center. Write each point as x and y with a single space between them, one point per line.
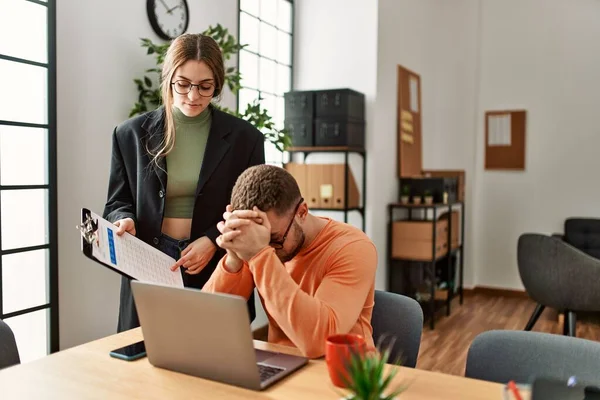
416 199
367 378
405 196
149 97
428 197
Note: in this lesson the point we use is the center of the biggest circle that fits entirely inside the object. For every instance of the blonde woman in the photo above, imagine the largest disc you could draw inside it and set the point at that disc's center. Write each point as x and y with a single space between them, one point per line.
173 169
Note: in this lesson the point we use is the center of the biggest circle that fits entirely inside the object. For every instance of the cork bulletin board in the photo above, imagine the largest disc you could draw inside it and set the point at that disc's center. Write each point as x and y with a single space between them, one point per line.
505 140
409 137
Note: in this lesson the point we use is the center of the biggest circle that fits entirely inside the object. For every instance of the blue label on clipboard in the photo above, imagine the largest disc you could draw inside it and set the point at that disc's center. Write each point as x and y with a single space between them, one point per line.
111 246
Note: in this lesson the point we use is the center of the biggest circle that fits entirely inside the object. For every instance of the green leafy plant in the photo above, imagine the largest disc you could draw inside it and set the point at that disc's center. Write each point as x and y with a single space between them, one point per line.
366 376
406 190
149 97
427 193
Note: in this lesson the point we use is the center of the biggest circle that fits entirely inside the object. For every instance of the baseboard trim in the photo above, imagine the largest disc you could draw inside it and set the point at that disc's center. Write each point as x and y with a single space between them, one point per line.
494 291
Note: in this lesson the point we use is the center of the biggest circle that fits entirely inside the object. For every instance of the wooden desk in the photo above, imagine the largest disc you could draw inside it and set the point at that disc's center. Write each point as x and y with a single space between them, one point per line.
88 372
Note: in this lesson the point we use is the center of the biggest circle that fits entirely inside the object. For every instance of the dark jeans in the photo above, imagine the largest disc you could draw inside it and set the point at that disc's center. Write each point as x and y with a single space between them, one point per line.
172 247
128 317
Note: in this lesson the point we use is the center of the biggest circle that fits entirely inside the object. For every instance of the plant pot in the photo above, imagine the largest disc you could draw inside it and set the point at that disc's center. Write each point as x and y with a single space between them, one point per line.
417 200
404 199
428 199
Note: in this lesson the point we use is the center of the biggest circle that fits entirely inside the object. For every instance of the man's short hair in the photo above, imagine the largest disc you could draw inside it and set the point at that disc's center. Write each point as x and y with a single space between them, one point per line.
267 187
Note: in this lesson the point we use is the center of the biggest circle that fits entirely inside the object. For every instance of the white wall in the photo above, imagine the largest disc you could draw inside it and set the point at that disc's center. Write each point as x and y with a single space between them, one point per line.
98 55
548 64
432 39
479 55
335 51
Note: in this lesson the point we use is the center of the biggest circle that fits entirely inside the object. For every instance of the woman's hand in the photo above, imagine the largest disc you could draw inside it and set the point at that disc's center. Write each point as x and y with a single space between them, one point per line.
196 255
125 225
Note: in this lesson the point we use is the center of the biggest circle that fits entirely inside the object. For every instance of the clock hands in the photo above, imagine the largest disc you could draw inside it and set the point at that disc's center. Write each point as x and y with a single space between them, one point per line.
177 6
165 4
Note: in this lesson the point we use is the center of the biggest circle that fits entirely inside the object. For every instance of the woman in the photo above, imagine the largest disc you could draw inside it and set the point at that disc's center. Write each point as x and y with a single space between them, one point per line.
173 169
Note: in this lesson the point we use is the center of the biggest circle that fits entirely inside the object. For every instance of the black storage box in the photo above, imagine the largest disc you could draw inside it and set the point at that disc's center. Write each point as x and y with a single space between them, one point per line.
437 186
299 104
342 103
301 131
339 132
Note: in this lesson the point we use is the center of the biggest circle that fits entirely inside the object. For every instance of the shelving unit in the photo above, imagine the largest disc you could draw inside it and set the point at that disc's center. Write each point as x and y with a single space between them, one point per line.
432 258
306 151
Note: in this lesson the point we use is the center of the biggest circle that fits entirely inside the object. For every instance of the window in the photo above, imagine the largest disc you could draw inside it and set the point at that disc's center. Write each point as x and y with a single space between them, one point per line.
265 64
28 224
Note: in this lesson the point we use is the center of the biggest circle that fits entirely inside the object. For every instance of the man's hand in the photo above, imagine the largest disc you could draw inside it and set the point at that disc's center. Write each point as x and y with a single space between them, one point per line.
196 255
125 225
245 233
232 262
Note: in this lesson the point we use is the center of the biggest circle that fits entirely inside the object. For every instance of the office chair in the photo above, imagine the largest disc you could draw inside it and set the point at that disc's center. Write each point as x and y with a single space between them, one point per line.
503 355
398 319
557 275
9 354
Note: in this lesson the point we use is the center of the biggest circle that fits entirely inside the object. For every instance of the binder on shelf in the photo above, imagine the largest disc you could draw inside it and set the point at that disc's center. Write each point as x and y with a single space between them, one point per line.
313 185
126 254
339 188
326 185
298 171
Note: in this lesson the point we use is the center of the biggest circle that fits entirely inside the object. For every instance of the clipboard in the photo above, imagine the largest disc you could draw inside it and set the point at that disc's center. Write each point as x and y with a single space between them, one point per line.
126 254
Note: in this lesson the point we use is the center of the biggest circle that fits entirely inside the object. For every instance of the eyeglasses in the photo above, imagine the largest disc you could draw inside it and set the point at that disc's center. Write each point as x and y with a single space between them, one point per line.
184 87
279 243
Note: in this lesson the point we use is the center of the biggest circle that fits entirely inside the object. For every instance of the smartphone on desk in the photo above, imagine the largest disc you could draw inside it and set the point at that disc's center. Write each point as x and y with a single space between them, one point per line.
130 352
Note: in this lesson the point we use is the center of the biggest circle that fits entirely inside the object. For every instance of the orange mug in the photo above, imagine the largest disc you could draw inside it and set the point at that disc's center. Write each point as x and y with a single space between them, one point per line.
338 350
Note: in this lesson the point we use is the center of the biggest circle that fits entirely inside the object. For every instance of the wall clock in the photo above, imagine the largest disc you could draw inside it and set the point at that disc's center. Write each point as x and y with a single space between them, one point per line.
168 18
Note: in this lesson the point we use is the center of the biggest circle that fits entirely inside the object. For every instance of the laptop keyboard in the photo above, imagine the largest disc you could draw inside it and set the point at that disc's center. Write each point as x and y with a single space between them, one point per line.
267 371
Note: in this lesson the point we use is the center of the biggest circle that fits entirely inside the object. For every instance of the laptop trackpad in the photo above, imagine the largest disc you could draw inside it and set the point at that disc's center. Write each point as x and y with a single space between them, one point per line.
262 355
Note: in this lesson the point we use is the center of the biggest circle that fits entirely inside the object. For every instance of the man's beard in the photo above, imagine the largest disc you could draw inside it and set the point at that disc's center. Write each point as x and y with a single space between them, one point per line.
300 242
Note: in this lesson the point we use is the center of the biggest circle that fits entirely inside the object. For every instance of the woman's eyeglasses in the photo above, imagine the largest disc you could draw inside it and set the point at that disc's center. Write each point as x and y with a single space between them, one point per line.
184 87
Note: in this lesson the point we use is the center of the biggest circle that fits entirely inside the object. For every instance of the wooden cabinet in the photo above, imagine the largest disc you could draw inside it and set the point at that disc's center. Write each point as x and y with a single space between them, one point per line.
414 239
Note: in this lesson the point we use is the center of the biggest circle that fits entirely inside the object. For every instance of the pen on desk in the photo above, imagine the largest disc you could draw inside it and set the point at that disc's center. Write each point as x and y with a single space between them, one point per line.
515 391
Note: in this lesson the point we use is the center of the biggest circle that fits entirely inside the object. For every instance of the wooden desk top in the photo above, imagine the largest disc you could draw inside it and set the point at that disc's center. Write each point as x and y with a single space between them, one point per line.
88 372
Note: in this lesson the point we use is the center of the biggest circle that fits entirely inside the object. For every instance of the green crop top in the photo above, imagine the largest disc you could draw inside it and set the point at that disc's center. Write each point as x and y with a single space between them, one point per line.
184 162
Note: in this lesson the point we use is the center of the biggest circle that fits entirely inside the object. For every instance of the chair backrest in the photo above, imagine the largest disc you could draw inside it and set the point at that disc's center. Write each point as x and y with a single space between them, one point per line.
399 319
9 354
501 356
584 234
557 274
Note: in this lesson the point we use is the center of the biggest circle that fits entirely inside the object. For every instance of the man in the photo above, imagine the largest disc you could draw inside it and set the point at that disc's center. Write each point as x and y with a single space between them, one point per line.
315 276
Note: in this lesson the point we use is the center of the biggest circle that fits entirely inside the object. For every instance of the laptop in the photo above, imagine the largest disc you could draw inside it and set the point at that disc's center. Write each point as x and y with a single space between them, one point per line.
207 335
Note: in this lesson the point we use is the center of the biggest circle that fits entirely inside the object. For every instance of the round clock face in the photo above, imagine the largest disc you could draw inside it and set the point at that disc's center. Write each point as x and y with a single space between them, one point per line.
169 18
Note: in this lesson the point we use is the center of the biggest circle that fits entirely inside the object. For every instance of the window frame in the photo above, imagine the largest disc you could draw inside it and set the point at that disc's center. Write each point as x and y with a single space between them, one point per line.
52 334
259 56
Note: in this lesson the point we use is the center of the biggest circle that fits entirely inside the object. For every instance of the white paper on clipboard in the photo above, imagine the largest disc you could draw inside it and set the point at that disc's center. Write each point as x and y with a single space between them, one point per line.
126 254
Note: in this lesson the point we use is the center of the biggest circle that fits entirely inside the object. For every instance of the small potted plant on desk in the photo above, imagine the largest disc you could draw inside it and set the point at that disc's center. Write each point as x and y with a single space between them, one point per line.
405 197
428 197
363 374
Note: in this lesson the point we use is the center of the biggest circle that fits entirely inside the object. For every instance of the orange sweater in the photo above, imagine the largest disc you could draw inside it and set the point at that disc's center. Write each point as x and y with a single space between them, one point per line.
327 288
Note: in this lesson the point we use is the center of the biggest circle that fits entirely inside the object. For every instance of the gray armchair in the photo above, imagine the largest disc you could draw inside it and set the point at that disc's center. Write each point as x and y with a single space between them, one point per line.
584 234
557 275
501 356
399 319
9 354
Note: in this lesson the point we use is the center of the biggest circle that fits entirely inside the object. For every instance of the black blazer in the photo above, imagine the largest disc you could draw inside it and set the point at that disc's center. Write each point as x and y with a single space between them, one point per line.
137 187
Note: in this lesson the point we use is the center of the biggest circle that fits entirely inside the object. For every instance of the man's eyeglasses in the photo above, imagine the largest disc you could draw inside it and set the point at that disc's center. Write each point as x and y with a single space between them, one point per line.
278 244
184 87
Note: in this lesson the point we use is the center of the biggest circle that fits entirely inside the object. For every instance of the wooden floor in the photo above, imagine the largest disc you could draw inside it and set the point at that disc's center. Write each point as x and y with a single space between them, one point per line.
445 348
